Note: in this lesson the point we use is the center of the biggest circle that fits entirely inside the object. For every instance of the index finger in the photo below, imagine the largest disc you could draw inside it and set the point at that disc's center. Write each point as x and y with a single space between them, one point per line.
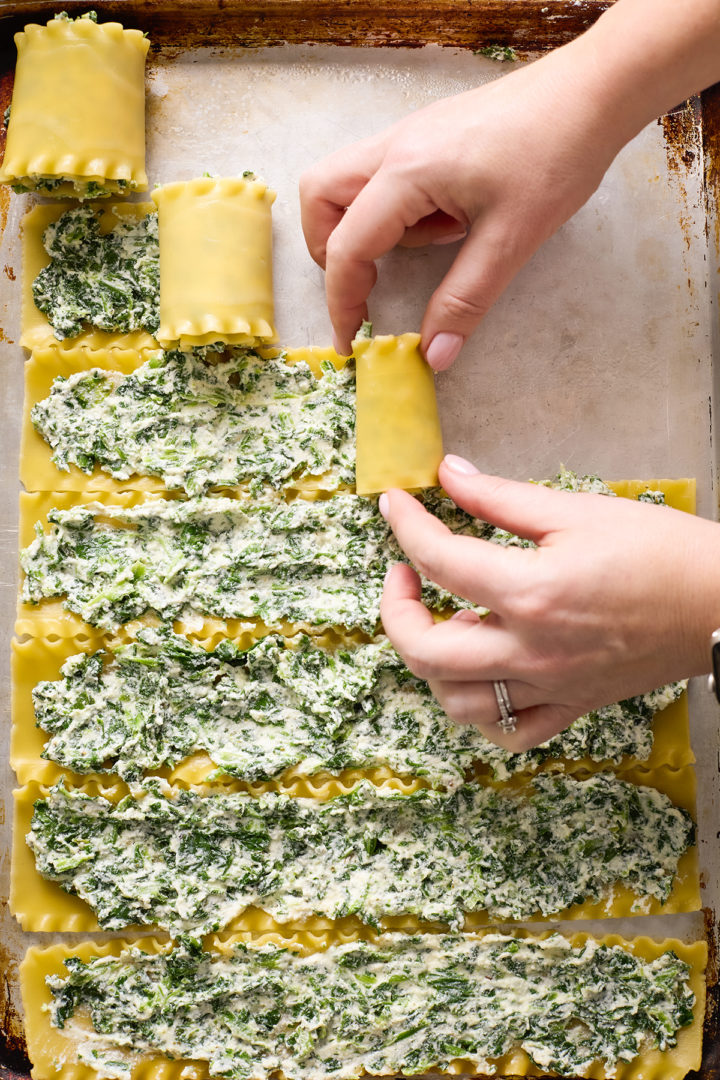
329 186
456 650
480 571
372 225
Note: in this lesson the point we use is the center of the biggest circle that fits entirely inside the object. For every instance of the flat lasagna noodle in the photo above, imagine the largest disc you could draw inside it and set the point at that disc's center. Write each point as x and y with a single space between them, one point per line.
37 659
36 331
680 494
78 108
42 905
54 1052
38 472
215 262
50 619
399 442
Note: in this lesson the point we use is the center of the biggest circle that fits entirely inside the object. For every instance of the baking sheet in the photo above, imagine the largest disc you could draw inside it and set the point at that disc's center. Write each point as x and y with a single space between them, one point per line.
599 355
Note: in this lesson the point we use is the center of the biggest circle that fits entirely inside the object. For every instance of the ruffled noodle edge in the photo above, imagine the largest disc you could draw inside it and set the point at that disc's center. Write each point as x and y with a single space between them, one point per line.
41 905
54 1053
240 327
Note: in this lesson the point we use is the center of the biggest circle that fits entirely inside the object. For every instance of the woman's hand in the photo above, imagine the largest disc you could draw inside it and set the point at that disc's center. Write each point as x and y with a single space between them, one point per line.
617 598
503 165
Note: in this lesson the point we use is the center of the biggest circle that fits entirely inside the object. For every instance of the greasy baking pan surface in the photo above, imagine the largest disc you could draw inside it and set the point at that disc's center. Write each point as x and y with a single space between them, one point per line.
528 25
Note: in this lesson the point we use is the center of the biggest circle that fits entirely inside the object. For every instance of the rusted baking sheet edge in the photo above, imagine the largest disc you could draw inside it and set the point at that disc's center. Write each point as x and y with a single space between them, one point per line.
525 24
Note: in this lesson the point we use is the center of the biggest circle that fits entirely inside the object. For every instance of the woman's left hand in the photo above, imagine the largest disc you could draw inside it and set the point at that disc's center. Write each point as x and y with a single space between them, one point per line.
617 598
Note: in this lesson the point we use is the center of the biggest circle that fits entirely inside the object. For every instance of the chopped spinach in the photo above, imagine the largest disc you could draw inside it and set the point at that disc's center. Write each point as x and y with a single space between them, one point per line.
161 698
198 425
190 862
109 281
401 1004
323 562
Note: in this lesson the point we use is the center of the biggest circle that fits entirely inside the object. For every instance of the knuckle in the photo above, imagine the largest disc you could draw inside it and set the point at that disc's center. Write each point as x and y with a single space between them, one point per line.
425 564
334 246
464 307
309 185
430 561
499 486
535 606
463 709
342 248
421 666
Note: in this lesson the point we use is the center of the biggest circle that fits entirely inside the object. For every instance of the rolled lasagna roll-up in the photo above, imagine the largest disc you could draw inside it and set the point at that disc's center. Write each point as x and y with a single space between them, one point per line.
215 262
77 116
398 437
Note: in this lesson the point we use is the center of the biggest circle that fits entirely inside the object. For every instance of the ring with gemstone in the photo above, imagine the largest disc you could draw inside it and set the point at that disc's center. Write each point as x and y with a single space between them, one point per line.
508 720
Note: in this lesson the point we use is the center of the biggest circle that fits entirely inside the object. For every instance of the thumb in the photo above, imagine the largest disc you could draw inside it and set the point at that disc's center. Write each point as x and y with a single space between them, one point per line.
485 265
528 510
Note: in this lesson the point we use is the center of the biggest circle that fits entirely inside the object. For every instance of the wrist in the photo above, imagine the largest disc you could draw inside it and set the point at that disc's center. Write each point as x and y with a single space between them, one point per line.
640 59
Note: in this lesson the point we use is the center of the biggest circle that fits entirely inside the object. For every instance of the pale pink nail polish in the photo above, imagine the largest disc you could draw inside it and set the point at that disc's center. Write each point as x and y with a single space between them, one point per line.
451 238
460 465
384 505
443 349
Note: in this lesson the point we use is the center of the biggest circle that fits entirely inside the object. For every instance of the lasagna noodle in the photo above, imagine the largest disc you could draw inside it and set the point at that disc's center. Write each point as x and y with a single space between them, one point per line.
399 442
38 659
41 905
36 331
38 472
215 262
50 619
78 105
680 494
54 1051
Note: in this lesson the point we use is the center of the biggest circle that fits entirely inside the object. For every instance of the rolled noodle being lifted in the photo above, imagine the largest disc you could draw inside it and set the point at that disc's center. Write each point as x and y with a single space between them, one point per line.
215 262
77 117
398 437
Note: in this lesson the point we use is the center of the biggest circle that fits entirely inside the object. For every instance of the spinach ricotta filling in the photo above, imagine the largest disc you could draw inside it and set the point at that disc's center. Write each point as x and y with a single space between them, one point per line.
161 698
320 562
108 281
402 1004
198 425
75 185
191 863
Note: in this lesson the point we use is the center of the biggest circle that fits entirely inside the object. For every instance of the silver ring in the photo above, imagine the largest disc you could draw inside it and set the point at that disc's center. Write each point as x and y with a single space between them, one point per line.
508 720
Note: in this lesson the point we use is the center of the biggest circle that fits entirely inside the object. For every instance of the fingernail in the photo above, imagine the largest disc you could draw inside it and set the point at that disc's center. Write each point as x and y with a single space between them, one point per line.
451 238
340 347
384 505
460 465
443 349
465 616
388 572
